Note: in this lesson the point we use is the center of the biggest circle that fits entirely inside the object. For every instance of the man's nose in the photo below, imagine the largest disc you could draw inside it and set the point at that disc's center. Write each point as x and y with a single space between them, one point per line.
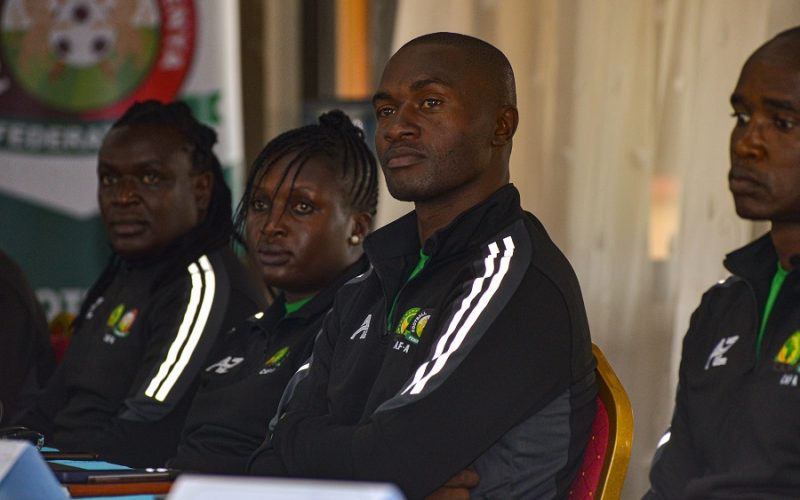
748 140
125 191
402 124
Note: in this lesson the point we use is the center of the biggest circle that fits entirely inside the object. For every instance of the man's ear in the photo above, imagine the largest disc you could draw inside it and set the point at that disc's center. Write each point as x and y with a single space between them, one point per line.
203 185
507 121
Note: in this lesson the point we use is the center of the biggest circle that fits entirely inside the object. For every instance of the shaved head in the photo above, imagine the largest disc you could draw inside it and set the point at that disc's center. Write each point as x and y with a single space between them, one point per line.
783 49
486 60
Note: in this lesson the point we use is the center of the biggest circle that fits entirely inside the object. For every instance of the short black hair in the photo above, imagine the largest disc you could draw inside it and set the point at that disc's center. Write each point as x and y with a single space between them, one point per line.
490 58
200 138
785 46
793 33
335 137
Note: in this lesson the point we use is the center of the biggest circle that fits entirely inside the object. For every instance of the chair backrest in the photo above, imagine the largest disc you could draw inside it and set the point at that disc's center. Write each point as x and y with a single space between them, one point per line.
605 461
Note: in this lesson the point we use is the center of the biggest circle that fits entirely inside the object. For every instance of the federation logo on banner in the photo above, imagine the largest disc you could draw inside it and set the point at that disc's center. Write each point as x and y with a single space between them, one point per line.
70 67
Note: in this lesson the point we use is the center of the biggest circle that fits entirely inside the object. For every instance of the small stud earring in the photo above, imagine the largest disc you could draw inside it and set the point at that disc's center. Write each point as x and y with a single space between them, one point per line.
354 240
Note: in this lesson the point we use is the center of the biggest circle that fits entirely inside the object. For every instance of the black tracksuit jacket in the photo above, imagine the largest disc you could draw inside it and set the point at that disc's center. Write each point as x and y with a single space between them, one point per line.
126 381
245 378
735 432
482 360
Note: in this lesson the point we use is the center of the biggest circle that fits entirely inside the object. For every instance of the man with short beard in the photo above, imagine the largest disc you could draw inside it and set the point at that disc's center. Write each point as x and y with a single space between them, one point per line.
466 346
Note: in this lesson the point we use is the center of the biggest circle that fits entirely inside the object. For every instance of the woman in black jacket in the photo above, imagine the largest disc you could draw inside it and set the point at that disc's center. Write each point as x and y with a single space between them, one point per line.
308 204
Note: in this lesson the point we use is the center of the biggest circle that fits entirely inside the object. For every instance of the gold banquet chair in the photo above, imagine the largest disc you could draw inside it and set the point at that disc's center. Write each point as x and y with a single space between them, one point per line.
605 461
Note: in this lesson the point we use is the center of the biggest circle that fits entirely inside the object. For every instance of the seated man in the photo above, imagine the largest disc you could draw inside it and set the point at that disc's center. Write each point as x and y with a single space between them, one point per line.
173 283
309 202
734 433
466 345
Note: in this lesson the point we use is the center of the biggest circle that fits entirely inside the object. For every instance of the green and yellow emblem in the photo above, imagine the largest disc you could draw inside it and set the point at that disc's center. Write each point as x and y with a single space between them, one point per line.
276 359
121 321
115 315
790 352
412 323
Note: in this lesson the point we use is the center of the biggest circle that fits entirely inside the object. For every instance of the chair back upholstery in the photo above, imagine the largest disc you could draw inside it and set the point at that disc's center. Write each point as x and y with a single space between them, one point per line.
605 461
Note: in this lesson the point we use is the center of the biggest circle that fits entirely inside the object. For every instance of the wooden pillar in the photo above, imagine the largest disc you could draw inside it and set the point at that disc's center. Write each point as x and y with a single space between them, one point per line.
352 50
271 70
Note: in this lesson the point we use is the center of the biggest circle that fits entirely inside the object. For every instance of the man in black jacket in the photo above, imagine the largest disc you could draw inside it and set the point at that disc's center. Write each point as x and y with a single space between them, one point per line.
466 345
734 433
173 283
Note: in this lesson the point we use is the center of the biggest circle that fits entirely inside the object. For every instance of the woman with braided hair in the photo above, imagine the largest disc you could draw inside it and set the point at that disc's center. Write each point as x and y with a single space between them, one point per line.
172 285
309 201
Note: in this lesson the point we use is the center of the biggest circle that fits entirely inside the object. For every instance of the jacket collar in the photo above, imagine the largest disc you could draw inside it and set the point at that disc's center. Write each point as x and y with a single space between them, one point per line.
320 304
471 227
754 261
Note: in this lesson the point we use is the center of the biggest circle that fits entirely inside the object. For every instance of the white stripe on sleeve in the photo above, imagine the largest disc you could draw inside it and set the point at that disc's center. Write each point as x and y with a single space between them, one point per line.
495 274
195 317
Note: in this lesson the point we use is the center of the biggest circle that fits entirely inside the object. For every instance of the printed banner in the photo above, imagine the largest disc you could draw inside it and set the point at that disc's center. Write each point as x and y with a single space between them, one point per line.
68 69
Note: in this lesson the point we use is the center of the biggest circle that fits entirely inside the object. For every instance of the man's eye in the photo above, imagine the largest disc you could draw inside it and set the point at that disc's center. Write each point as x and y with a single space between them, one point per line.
384 111
107 180
303 208
431 103
151 179
784 124
741 118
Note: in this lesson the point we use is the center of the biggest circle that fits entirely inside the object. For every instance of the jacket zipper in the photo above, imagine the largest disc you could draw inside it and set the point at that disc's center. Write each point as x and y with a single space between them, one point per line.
418 269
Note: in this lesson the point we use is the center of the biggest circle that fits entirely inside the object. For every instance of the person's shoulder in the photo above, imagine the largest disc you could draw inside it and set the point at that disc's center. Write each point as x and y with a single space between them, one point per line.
721 304
718 298
511 240
349 295
359 278
232 272
546 256
727 283
725 287
226 260
214 273
219 257
537 232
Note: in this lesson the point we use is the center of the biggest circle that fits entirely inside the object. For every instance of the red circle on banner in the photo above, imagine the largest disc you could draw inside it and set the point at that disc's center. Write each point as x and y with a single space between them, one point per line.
174 59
